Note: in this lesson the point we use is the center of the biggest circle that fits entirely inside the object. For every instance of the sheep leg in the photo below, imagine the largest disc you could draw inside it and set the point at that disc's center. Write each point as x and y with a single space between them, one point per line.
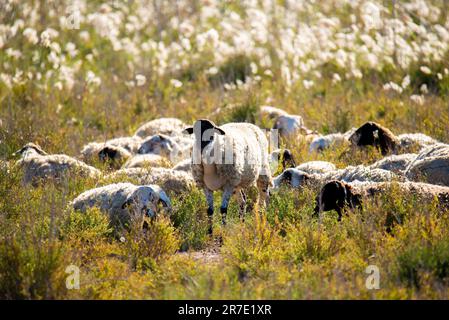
262 185
210 207
227 193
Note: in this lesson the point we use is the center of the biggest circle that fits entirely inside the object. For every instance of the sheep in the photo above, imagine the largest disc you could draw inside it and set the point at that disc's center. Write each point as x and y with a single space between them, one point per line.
316 167
123 201
296 178
146 160
431 165
38 165
175 148
290 125
321 143
373 134
114 155
336 195
395 163
184 165
281 159
271 112
170 180
415 141
166 126
231 158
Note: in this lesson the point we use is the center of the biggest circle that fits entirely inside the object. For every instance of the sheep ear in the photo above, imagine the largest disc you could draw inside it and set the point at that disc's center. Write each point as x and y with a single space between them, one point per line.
163 198
127 203
188 130
219 131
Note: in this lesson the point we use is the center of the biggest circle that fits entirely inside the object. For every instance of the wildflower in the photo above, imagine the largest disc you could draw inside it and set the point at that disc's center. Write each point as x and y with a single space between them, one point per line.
418 99
425 70
424 88
405 82
92 79
31 35
140 80
176 83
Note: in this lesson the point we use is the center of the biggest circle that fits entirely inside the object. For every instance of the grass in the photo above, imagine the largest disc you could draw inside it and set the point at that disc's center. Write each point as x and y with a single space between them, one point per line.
279 253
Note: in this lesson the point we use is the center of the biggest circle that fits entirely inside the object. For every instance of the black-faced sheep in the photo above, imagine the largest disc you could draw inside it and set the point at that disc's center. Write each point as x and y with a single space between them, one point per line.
175 148
113 155
123 201
231 157
38 165
373 134
337 195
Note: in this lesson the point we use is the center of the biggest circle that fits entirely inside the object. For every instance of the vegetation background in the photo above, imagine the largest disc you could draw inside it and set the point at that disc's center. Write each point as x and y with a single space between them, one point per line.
77 71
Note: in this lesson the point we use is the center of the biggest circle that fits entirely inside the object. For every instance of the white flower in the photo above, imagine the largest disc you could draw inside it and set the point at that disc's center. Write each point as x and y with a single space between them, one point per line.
336 78
176 83
92 79
418 99
308 84
424 88
425 70
405 82
140 80
31 35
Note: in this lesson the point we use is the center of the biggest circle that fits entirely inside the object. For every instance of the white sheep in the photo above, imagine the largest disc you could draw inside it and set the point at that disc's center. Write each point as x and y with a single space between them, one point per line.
231 157
146 160
114 155
395 163
123 201
290 125
172 181
321 143
336 195
38 165
431 165
175 148
316 167
167 126
410 141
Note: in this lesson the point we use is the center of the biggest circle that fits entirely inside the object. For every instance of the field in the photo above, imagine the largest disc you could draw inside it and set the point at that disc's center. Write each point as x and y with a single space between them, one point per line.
77 71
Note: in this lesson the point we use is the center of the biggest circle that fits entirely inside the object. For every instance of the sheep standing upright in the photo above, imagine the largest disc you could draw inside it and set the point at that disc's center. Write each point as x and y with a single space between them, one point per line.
231 157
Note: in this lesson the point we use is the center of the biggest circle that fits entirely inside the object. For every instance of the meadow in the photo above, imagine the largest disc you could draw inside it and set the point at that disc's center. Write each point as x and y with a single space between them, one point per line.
75 71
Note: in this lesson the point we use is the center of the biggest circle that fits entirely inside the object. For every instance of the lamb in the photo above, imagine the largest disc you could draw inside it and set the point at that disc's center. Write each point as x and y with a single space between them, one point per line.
231 158
123 201
321 143
337 195
373 134
146 160
167 126
38 165
114 155
395 163
431 165
170 180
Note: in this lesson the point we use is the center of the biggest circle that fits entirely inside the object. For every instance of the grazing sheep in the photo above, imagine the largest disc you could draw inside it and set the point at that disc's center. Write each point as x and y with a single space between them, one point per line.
123 201
170 180
146 160
231 157
290 125
281 159
167 126
316 167
431 165
296 178
415 141
395 163
175 148
114 155
38 165
321 143
184 165
271 112
373 134
336 195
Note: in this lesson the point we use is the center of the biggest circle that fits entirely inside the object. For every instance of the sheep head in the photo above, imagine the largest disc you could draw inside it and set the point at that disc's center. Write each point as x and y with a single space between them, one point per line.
204 131
146 199
373 134
29 149
292 177
157 144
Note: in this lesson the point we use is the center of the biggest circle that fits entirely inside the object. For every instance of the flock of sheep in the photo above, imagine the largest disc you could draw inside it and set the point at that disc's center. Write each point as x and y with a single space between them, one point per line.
165 158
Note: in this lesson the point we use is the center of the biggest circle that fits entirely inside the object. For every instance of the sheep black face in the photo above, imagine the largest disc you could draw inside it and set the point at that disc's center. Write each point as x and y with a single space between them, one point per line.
292 177
287 159
336 195
373 134
145 200
204 131
107 154
159 144
30 148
